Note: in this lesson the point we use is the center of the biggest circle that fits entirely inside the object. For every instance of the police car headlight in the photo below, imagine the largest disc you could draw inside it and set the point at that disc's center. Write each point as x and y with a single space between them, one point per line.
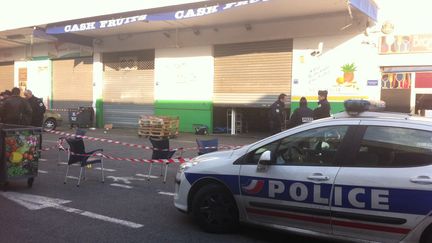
183 167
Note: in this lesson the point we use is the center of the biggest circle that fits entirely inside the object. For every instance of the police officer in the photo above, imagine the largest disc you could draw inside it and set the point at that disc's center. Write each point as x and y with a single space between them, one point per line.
278 114
301 115
16 110
37 106
323 109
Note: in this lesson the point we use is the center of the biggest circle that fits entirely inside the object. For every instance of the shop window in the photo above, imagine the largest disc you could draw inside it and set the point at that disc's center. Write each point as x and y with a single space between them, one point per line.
396 81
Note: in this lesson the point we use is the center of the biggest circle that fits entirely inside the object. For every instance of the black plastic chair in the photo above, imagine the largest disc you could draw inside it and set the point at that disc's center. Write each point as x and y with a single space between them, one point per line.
207 146
160 151
78 155
61 140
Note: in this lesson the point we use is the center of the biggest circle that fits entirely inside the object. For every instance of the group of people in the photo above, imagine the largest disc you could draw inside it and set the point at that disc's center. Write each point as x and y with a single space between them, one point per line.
17 110
301 115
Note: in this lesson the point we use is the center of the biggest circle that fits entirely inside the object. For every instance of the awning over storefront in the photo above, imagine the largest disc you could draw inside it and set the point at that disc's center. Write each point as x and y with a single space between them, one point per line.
401 69
367 7
175 15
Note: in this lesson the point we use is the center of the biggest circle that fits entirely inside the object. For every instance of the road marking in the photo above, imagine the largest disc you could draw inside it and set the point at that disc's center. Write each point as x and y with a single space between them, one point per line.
105 169
42 171
65 163
43 160
35 202
121 185
167 193
146 176
126 179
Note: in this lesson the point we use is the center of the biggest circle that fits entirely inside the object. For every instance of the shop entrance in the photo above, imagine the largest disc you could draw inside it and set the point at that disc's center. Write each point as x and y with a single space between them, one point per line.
423 105
396 91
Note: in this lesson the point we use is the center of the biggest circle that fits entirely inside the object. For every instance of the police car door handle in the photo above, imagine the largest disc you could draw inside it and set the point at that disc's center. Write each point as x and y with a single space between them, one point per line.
318 177
421 180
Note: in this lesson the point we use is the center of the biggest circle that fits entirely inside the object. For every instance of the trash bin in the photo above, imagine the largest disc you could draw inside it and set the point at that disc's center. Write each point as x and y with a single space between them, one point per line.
81 117
19 152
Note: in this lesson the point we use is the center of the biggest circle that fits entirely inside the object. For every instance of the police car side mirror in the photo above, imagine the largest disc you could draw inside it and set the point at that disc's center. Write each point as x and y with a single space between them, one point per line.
264 161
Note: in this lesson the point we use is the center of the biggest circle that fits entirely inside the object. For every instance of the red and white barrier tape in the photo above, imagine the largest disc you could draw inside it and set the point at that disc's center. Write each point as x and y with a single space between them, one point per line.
66 109
177 160
106 156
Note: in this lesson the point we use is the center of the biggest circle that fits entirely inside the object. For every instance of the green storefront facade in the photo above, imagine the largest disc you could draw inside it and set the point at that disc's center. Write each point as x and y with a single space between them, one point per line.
190 113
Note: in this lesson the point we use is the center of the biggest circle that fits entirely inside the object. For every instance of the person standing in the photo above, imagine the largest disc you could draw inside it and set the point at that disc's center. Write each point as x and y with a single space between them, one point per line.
37 106
16 110
323 109
301 115
3 96
278 114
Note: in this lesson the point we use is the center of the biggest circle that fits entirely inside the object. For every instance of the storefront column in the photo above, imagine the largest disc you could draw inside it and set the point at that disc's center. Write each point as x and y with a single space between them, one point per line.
97 88
233 121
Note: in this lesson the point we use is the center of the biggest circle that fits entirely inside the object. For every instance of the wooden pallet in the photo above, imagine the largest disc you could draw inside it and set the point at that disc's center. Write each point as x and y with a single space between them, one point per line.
158 126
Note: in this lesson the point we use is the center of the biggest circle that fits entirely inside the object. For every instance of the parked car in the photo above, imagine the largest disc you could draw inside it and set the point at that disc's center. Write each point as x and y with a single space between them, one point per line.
360 176
52 120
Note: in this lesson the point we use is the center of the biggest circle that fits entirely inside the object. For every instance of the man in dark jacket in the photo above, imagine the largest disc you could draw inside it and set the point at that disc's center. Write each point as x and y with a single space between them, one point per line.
278 114
301 115
38 108
3 96
323 109
16 110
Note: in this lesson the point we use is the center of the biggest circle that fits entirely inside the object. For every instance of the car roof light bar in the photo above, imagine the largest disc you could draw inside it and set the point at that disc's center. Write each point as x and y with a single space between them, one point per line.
355 107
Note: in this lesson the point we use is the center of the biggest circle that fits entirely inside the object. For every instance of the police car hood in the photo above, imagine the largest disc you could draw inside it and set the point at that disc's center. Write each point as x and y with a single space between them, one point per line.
222 156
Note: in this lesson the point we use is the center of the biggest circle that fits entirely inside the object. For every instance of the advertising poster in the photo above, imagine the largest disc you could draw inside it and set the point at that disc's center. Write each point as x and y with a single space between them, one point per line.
21 153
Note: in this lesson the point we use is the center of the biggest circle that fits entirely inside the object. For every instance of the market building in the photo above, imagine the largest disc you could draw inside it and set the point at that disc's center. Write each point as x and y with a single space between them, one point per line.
405 54
217 63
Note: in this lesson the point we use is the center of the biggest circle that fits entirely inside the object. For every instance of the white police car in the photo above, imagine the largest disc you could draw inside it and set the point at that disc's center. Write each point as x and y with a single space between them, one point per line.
360 176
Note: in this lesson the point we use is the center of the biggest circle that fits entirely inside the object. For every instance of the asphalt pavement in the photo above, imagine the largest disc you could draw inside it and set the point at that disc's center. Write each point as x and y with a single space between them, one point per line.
127 207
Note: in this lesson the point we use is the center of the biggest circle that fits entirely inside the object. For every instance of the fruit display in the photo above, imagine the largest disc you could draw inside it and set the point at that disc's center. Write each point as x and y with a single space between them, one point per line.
21 153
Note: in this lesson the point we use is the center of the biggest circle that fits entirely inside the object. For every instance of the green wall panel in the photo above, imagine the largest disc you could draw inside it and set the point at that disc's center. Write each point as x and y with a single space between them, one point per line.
189 112
335 107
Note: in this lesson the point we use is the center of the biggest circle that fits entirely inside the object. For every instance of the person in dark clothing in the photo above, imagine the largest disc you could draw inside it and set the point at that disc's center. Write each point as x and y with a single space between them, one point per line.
38 108
278 114
301 115
323 109
16 110
3 96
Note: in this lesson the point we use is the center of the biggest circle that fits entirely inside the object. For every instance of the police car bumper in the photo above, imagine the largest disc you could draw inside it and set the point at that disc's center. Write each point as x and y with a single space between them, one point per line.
182 187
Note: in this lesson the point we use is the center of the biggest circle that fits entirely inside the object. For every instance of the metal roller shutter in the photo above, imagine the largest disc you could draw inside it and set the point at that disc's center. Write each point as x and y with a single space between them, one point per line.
128 90
6 76
252 74
72 83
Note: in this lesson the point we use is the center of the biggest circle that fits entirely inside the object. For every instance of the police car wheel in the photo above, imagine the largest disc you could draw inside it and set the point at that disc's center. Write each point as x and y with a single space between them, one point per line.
427 235
215 210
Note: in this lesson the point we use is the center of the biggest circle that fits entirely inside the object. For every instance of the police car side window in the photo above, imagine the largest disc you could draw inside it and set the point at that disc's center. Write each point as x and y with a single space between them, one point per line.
254 156
394 147
313 147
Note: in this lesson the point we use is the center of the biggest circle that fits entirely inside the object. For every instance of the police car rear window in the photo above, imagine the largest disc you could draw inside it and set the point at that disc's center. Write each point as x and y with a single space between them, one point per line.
394 147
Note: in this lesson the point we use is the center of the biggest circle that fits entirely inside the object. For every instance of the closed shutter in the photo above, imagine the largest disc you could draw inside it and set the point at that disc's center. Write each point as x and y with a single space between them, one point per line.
72 83
6 76
252 74
128 90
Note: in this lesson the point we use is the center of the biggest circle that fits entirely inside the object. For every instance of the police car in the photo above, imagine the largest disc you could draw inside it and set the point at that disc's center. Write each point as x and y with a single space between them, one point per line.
358 176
